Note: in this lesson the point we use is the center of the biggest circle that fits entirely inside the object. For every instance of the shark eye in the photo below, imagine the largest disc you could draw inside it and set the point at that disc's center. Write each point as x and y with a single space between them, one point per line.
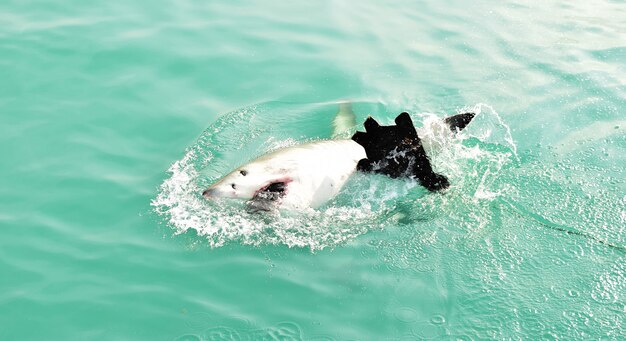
233 186
243 172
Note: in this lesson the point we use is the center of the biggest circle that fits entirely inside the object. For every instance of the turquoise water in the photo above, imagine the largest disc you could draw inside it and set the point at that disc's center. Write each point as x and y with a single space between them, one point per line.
101 242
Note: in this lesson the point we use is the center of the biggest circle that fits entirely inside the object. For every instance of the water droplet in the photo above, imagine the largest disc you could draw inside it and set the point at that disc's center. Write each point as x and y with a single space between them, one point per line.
549 336
406 315
199 320
459 338
438 319
573 293
188 337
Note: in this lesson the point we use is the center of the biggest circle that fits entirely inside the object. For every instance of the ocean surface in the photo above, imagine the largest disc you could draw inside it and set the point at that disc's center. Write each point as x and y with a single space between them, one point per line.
115 115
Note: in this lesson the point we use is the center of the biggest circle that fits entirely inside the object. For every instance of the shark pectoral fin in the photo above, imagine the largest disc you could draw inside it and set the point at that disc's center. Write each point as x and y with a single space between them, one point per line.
364 165
256 205
460 121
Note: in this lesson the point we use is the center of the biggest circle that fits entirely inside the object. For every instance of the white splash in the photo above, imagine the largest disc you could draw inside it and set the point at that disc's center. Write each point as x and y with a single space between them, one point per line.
367 201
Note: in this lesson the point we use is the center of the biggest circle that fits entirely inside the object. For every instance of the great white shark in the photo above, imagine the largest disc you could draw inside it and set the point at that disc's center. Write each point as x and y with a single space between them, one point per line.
310 174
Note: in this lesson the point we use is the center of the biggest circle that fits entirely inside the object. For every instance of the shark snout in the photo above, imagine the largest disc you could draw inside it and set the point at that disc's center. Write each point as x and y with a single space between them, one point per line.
209 193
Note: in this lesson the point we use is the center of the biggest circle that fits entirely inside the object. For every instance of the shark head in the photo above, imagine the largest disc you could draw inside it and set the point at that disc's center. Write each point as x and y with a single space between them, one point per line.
248 181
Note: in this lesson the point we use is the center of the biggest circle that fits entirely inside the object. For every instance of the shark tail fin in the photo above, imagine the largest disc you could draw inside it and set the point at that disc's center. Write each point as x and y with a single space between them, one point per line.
460 121
344 123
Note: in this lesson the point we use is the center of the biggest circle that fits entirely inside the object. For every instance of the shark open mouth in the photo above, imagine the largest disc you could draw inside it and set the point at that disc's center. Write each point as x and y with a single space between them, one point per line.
278 186
267 197
275 187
